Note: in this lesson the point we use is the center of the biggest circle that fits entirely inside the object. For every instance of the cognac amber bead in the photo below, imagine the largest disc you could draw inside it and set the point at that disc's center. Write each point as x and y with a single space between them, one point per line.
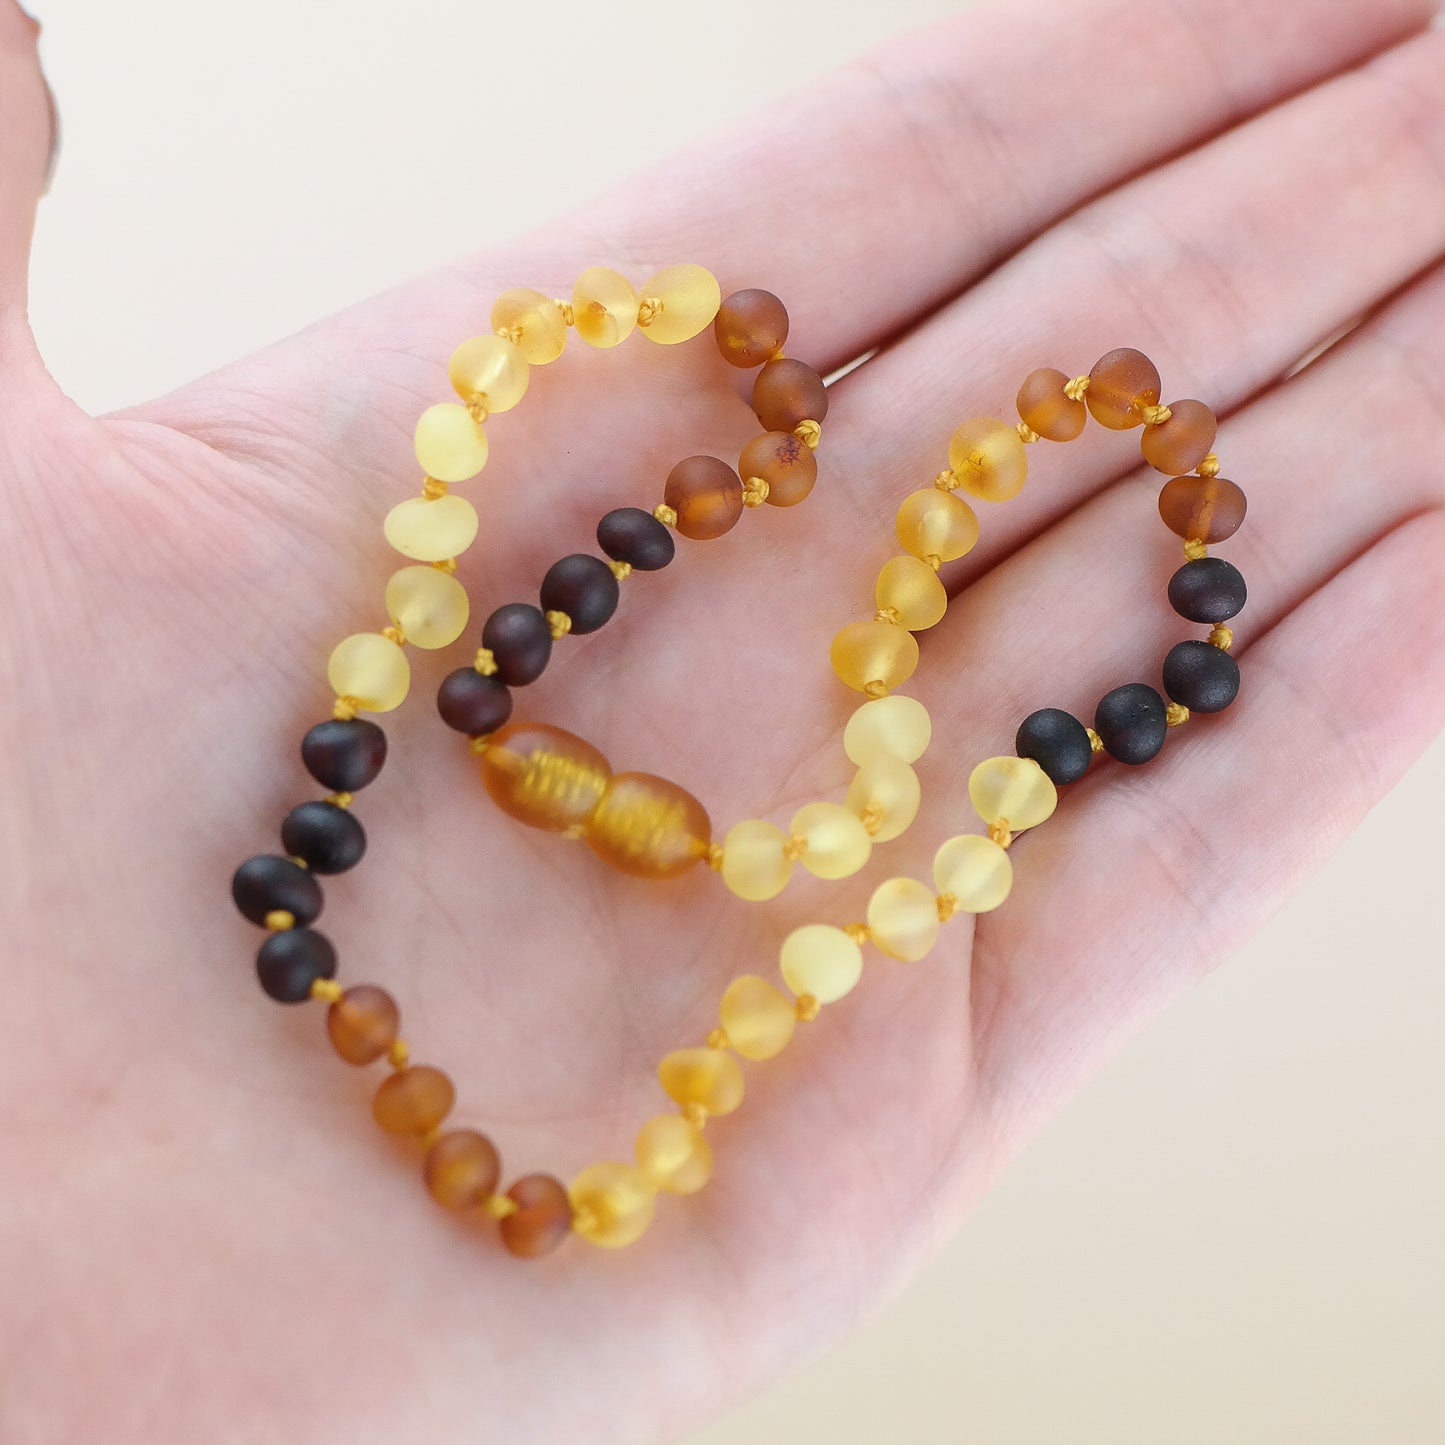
988 458
751 327
1046 409
413 1100
649 827
544 776
785 462
542 1219
612 1203
707 496
759 1020
1120 385
787 392
1182 442
362 1024
1202 509
874 652
462 1169
709 1077
673 1154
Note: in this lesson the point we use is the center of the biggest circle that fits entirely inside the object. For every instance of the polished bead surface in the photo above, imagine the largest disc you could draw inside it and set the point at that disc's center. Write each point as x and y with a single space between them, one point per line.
974 871
649 827
897 726
1201 677
709 1077
490 368
785 462
1012 790
431 529
874 653
612 1203
1132 721
672 1152
429 605
707 496
754 863
787 392
604 307
820 960
472 703
450 444
1182 442
1202 509
544 776
750 327
362 1024
903 919
413 1100
758 1018
628 534
934 523
371 670
838 843
888 786
289 962
690 297
270 883
988 458
1208 589
345 755
912 588
1058 742
519 638
536 316
327 838
543 1217
585 588
1121 384
1045 408
462 1169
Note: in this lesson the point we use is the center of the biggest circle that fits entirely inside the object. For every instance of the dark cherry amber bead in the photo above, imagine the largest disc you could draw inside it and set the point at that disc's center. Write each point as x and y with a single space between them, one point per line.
787 392
543 1217
329 838
628 534
1132 722
289 962
473 703
1202 677
750 327
583 587
1058 742
707 496
520 640
1208 589
272 884
344 754
1202 509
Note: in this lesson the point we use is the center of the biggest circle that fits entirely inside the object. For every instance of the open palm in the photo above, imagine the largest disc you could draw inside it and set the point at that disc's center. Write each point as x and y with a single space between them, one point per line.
202 1235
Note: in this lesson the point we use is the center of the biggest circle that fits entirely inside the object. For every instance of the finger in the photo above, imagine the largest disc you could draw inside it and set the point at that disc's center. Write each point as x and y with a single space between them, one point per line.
25 144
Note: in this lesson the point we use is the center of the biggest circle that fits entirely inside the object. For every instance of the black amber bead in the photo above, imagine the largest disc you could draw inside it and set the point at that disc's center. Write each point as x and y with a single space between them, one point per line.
584 588
344 755
473 704
1203 677
1208 589
631 535
289 962
329 838
1057 741
520 639
270 883
1132 721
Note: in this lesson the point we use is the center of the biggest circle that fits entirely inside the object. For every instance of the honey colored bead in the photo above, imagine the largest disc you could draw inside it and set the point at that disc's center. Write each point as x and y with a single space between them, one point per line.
450 445
604 307
690 298
754 863
889 786
413 1100
462 1169
838 843
544 776
430 606
758 1018
874 652
975 871
542 1219
649 827
370 669
751 326
911 586
1182 442
673 1154
1120 386
362 1024
903 919
431 529
1012 790
612 1203
897 727
785 462
787 392
1202 509
490 367
934 523
707 496
988 458
820 960
538 319
709 1077
1045 408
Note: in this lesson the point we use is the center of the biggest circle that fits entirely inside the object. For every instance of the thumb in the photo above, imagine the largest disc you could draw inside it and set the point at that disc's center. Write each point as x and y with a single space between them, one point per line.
27 134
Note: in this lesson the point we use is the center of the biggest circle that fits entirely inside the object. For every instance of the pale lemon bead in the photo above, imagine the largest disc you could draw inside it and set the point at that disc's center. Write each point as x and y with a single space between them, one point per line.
673 1154
754 863
690 297
543 332
604 307
874 653
911 587
370 669
934 523
988 458
490 367
612 1203
975 871
838 843
759 1020
890 786
431 529
903 918
897 727
1015 791
820 960
709 1077
429 606
450 445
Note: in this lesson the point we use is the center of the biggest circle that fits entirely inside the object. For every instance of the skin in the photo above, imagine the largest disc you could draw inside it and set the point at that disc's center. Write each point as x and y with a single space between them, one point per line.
202 1236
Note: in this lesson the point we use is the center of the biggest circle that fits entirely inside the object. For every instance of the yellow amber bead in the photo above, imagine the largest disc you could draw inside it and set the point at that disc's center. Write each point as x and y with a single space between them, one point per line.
758 1018
449 444
430 606
690 298
975 870
874 653
604 307
372 670
1016 791
912 587
673 1154
649 827
988 458
709 1077
933 523
431 529
821 960
490 367
612 1203
889 788
754 864
896 726
537 318
903 918
838 843
545 776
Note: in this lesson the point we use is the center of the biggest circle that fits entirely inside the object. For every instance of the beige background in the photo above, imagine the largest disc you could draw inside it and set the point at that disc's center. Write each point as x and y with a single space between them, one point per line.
1235 1235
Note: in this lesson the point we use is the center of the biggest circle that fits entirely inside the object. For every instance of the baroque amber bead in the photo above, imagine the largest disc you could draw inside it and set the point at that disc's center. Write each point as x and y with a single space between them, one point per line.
838 844
362 1024
911 587
750 327
1044 407
1120 386
758 1019
492 368
372 670
708 1077
821 960
429 605
545 776
649 827
934 523
707 496
604 307
450 445
673 1154
988 458
903 919
874 653
1182 442
785 462
462 1169
689 297
543 332
1015 791
542 1219
612 1203
431 529
975 871
887 788
897 727
1202 509
754 863
787 392
413 1100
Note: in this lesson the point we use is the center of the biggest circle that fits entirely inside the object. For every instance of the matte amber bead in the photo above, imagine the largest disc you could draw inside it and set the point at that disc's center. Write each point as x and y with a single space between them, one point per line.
934 523
707 496
1012 791
544 776
542 1219
689 297
431 529
874 654
1182 442
372 670
413 1100
362 1024
543 332
462 1169
612 1203
889 789
649 827
974 871
903 919
897 726
785 462
911 587
751 327
709 1077
604 307
672 1152
1202 509
1120 385
822 961
491 368
1046 409
755 865
988 458
450 445
838 844
787 392
759 1020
